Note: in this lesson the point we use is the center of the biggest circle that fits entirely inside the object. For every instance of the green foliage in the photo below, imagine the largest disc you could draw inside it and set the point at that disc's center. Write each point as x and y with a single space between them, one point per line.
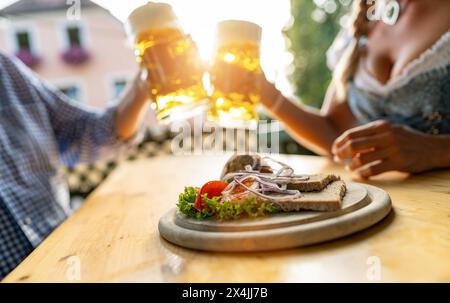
222 210
310 37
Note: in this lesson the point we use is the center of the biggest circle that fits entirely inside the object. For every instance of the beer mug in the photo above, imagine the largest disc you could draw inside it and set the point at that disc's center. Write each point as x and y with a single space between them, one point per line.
172 60
235 96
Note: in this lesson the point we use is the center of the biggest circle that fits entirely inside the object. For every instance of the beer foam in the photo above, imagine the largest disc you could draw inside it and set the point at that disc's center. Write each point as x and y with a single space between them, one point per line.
232 31
150 16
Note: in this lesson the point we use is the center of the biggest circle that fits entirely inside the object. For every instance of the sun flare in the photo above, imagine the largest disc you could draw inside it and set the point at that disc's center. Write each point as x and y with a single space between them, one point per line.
199 18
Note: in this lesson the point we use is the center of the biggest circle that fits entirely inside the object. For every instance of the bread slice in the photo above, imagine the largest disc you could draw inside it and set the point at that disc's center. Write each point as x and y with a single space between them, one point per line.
314 183
329 199
239 162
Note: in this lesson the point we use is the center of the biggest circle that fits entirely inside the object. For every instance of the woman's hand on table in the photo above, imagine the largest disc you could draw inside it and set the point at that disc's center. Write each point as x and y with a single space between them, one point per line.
380 146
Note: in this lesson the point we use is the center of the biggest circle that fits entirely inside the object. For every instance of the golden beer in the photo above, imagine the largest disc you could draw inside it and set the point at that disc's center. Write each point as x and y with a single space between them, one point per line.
175 72
235 96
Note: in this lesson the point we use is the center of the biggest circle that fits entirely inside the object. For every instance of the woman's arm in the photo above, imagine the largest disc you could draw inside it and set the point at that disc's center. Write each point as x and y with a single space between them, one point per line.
316 129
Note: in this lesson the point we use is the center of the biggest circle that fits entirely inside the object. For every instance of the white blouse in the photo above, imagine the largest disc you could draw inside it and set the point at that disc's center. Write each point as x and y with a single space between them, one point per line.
435 57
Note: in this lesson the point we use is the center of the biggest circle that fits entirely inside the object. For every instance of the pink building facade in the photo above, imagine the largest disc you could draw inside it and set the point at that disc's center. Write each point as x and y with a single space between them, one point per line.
88 58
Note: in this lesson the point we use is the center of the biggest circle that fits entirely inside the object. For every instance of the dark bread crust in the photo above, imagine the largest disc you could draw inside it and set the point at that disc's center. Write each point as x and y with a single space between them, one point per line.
238 162
314 183
320 192
329 199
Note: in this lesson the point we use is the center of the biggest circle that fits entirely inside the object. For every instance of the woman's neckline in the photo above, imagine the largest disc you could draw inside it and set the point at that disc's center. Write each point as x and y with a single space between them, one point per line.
409 68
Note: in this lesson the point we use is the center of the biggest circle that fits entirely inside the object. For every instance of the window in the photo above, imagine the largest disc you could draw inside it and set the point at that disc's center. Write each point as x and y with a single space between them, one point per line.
118 87
23 40
73 48
23 46
74 36
71 91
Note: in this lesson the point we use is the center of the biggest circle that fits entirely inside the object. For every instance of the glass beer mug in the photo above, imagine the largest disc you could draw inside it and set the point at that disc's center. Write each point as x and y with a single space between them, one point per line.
175 71
235 95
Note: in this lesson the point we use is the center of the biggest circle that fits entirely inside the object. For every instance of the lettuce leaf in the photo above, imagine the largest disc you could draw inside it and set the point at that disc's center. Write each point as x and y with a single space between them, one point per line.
222 210
186 201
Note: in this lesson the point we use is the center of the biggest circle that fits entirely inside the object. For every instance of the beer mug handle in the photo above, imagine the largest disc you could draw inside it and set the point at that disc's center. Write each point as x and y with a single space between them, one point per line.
144 79
143 73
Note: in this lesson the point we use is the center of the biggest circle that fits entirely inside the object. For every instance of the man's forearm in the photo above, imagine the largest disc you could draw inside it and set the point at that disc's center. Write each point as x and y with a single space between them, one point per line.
133 104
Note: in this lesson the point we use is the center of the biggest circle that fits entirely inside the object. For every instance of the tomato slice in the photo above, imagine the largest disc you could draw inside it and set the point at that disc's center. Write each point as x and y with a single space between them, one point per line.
211 189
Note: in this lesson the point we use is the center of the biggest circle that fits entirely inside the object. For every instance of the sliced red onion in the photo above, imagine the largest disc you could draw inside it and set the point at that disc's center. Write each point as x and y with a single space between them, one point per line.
229 188
283 166
281 180
232 185
268 197
277 190
264 185
265 175
284 180
232 175
266 182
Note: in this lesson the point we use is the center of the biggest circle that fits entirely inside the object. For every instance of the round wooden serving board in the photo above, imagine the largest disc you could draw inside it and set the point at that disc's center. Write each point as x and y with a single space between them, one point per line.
363 206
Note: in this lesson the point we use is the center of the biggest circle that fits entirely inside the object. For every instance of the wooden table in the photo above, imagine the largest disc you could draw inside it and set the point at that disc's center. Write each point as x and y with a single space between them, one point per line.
114 235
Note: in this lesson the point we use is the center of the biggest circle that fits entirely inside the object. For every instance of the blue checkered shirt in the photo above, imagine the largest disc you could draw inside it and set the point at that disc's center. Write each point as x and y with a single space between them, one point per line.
41 130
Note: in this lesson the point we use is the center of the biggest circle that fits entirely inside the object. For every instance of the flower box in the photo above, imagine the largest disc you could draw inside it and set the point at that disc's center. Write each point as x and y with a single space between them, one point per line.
75 55
28 58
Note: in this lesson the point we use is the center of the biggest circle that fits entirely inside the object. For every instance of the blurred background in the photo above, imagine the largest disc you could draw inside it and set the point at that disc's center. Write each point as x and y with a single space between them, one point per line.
87 56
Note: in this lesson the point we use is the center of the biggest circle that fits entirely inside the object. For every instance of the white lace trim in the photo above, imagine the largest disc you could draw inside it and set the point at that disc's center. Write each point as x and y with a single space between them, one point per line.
435 57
